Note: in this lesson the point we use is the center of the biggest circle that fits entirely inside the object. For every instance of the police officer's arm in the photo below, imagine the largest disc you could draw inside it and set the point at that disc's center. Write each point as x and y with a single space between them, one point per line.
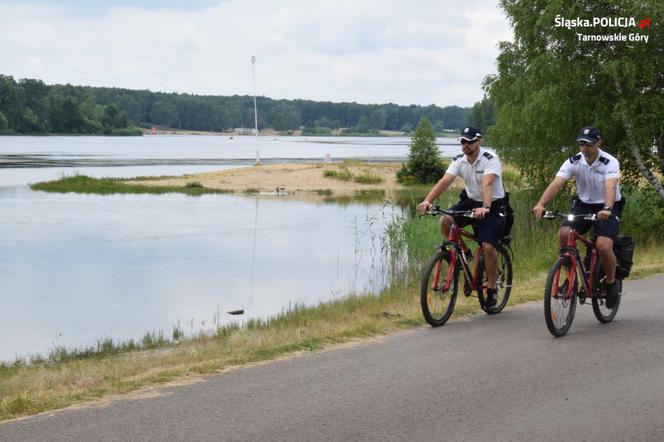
440 187
610 186
487 190
548 196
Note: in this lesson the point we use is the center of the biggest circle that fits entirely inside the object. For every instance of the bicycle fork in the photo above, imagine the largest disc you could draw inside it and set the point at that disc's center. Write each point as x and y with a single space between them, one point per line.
449 278
465 269
577 271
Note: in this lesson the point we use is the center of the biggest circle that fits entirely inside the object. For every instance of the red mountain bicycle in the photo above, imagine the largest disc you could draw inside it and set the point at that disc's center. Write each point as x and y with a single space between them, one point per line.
439 288
572 278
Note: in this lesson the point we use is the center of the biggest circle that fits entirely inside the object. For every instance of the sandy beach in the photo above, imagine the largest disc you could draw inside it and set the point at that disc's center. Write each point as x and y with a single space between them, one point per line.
290 178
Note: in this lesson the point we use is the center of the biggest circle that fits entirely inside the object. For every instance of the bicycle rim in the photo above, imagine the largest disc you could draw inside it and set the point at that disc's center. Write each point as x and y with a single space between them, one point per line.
439 289
559 306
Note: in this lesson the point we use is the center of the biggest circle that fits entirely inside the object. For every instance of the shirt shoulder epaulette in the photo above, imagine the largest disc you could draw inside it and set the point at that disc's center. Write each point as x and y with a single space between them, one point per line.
575 158
457 157
487 155
604 160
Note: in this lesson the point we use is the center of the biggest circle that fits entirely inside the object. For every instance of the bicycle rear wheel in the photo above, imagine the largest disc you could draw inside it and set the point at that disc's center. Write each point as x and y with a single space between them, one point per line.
503 282
437 302
559 308
601 311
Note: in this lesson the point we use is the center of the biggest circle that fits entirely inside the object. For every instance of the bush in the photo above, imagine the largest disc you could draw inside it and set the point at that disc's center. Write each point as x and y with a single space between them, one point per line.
368 177
126 132
404 176
424 164
343 174
643 215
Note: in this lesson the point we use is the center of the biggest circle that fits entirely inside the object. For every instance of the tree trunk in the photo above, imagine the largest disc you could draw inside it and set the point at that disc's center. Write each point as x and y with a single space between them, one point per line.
636 153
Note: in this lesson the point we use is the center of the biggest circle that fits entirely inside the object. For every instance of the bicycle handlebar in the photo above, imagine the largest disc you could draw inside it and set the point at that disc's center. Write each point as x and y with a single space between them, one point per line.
436 210
570 216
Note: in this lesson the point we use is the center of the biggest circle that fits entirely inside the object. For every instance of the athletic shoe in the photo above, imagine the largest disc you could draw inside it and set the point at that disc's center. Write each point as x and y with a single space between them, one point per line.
491 298
612 292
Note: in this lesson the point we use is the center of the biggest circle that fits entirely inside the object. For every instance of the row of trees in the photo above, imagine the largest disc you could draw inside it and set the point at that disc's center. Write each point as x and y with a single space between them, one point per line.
216 113
30 106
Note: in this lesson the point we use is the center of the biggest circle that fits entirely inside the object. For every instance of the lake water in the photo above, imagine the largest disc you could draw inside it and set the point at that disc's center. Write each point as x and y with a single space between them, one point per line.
76 268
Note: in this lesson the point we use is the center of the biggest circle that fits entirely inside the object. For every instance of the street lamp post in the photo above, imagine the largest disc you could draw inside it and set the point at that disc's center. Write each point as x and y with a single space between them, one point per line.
253 76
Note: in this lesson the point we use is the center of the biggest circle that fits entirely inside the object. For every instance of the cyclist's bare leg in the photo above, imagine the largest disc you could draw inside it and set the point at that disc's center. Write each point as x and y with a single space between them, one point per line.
446 222
604 246
563 236
491 261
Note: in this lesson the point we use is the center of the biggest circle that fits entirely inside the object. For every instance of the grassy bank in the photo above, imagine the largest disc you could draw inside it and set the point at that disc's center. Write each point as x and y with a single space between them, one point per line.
110 368
107 186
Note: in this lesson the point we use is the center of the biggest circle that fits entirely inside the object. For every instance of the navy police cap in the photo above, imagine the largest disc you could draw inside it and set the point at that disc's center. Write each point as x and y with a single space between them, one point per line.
470 134
588 134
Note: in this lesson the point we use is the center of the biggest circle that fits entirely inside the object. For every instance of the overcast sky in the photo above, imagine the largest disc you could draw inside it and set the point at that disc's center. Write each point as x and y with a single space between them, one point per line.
368 51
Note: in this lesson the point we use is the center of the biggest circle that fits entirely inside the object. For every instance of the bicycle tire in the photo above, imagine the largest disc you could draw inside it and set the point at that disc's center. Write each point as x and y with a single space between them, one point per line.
503 283
437 306
602 313
558 311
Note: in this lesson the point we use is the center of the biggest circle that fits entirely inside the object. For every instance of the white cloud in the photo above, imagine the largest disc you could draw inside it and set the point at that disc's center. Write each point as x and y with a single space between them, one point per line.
362 50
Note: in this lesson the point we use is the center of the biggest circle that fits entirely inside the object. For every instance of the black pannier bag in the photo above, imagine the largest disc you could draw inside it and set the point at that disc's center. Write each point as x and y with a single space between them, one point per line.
509 215
623 247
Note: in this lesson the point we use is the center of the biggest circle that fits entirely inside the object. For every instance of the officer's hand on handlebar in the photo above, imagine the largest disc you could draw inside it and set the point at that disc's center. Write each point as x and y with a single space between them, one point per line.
538 211
424 206
603 215
480 212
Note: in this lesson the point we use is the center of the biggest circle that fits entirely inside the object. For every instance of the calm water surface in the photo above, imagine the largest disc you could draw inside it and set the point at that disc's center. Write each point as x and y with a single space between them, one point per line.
76 268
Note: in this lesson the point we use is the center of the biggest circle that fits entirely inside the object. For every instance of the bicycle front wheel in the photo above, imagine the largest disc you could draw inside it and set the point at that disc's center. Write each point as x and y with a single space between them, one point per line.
439 289
503 282
559 306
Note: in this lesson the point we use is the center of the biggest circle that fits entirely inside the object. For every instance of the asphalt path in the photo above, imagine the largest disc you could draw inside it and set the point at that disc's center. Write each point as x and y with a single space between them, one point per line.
501 377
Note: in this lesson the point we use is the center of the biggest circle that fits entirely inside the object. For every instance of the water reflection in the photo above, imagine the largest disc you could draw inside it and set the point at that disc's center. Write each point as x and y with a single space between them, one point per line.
80 267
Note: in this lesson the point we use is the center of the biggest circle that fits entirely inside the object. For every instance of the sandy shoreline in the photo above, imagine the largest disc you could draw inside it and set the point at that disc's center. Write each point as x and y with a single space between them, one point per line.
289 178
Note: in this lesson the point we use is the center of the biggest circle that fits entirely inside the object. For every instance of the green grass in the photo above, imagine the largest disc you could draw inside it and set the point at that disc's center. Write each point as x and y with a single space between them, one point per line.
342 174
368 177
107 186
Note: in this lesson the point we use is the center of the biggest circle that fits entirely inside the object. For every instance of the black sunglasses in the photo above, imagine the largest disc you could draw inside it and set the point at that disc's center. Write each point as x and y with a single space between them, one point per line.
586 143
467 142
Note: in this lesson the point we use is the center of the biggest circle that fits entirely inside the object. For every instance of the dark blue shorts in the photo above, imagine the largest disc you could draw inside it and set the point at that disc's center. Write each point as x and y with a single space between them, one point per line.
490 229
608 228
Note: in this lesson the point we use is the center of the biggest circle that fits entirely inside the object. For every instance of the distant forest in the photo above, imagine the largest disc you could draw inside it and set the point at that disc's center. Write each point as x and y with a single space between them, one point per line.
31 107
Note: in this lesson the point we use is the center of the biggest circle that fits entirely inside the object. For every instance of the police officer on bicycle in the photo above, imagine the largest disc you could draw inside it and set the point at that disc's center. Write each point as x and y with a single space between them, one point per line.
481 172
597 174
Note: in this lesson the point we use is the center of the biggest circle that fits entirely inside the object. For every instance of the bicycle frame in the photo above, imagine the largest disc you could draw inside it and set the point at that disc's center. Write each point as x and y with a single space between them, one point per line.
455 239
571 251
